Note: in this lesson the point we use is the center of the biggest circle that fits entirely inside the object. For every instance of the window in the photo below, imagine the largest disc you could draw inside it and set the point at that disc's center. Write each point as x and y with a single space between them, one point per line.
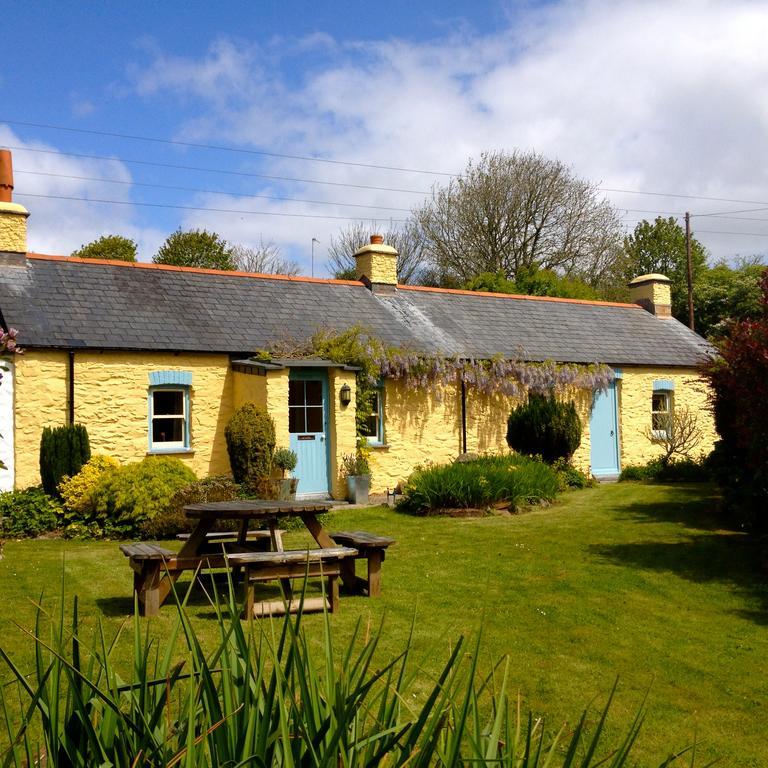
661 413
305 406
169 411
373 429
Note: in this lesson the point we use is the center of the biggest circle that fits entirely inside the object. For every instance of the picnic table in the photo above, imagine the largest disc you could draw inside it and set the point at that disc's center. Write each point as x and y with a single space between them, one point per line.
260 553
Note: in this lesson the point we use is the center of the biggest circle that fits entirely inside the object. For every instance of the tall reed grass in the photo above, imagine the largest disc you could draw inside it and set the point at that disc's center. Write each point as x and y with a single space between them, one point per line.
265 696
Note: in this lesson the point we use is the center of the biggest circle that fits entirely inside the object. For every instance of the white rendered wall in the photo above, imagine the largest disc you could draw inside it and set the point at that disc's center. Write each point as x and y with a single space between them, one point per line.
6 425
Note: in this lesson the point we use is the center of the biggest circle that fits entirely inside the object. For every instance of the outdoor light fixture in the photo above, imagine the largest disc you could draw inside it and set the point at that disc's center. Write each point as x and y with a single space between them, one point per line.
345 395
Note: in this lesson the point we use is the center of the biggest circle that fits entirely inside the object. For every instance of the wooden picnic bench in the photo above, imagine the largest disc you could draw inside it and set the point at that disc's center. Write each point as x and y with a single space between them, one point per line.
370 547
325 562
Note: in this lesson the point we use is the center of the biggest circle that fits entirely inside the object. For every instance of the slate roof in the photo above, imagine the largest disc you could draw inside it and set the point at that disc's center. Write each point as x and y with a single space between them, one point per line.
81 304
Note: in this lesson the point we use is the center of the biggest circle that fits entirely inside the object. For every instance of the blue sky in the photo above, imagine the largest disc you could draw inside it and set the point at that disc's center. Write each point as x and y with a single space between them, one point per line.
647 97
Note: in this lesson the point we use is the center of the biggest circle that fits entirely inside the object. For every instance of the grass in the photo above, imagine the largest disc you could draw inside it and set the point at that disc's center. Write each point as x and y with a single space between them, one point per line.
631 580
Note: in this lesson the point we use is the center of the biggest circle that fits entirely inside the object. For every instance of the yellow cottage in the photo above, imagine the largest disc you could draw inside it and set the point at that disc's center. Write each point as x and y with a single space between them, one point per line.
155 359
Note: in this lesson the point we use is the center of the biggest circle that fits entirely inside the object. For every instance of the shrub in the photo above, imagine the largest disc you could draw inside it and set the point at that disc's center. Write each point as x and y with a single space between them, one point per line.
126 498
685 470
570 477
513 480
285 459
77 492
28 513
171 520
63 451
544 427
250 436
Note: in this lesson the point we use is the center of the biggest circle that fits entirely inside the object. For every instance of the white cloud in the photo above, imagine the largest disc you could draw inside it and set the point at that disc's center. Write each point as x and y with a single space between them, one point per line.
44 182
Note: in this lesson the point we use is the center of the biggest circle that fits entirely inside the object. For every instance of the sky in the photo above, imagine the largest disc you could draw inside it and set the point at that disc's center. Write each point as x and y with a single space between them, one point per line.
283 122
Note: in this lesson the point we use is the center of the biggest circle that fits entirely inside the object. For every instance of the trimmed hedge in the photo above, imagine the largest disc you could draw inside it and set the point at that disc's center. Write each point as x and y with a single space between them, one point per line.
63 451
544 427
250 436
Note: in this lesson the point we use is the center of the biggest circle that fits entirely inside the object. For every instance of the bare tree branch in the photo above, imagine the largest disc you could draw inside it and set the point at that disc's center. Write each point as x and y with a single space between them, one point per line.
678 434
264 259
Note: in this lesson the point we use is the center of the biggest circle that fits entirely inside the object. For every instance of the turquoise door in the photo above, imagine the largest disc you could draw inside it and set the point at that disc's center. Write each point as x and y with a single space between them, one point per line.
604 434
308 428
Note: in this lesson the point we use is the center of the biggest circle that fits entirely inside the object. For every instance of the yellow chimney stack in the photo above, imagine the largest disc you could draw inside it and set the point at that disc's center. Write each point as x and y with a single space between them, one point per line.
653 293
13 217
376 265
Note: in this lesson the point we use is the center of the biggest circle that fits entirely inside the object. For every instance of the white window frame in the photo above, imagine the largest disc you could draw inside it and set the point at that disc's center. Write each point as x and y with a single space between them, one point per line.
378 414
662 434
174 446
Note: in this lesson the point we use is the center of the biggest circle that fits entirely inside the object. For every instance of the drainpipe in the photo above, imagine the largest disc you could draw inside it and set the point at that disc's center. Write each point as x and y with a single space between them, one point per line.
463 417
71 389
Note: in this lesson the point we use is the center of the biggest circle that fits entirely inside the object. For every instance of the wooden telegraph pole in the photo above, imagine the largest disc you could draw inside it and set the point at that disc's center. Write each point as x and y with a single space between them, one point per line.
690 268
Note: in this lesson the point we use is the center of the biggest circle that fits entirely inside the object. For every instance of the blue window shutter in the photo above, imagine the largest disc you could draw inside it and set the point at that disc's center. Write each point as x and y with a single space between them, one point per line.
663 385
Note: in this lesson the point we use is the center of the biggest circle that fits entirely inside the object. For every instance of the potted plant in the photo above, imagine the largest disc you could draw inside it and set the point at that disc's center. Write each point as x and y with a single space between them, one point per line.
284 460
358 472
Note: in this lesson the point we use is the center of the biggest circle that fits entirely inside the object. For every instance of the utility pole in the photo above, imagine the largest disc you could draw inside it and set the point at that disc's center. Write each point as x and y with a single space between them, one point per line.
690 268
314 240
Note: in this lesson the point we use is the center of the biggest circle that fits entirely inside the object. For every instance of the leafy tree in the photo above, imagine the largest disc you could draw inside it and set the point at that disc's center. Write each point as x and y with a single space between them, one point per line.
531 281
660 247
509 211
264 259
544 427
722 295
114 247
738 378
407 241
196 248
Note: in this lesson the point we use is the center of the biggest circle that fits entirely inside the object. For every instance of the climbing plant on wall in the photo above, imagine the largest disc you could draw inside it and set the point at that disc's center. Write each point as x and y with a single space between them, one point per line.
418 370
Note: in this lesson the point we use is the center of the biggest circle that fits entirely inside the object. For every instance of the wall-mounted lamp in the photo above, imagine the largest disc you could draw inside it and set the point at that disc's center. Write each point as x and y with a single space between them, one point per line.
345 395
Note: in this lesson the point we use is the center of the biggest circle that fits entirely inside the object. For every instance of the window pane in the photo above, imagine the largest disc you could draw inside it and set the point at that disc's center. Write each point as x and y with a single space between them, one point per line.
371 426
660 402
314 392
296 421
295 393
168 402
315 419
167 430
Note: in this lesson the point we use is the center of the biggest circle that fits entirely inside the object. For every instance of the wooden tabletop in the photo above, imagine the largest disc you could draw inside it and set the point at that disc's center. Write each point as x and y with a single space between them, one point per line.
255 508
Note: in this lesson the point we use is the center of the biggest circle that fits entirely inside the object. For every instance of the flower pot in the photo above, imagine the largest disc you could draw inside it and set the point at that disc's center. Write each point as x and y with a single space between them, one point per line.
285 488
358 488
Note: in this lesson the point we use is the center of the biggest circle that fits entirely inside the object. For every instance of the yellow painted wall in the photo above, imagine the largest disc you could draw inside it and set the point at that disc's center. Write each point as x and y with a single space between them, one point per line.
343 428
277 405
248 388
40 401
635 392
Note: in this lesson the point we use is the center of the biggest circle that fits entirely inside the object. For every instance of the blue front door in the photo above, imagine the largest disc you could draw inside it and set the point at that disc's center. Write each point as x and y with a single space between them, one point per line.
604 434
308 428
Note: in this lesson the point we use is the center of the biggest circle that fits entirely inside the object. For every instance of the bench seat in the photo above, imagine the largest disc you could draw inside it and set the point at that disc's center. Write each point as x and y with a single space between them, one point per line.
372 548
145 551
228 535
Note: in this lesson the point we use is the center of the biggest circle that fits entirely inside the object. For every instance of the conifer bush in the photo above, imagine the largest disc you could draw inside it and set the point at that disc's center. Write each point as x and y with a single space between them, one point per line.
63 451
545 427
250 436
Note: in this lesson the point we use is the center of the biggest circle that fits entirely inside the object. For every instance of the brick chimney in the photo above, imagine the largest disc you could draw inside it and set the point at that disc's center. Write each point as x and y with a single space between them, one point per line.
13 217
376 265
652 293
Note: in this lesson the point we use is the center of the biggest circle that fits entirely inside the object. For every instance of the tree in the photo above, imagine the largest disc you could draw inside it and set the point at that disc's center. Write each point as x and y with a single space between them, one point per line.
678 434
531 281
196 248
723 295
509 211
264 259
407 241
114 247
660 247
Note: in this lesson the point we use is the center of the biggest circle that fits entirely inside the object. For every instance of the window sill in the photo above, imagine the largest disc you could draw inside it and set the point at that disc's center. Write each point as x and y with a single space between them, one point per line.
169 451
378 446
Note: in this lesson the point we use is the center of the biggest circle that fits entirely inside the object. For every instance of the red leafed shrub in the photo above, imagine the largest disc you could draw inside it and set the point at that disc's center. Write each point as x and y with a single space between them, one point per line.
739 394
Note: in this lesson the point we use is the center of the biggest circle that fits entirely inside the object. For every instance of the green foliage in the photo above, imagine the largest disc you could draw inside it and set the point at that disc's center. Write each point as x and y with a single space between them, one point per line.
126 498
115 247
532 281
250 436
660 247
63 451
544 427
570 477
171 520
266 695
28 513
196 248
359 462
285 459
76 492
723 295
512 480
683 470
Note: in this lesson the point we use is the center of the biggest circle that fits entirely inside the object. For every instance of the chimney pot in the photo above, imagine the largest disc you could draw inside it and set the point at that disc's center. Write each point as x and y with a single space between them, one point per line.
6 176
377 239
13 217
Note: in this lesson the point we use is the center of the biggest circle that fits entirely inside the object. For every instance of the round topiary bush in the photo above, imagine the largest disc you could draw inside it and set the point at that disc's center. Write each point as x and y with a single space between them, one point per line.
545 427
250 436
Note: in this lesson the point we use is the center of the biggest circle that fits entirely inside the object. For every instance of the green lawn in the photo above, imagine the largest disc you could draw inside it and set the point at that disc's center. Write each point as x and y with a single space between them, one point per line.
628 580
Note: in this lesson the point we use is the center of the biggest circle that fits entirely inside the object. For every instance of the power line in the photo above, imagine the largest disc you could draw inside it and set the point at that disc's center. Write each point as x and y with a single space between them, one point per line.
216 170
203 208
221 148
208 191
684 197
